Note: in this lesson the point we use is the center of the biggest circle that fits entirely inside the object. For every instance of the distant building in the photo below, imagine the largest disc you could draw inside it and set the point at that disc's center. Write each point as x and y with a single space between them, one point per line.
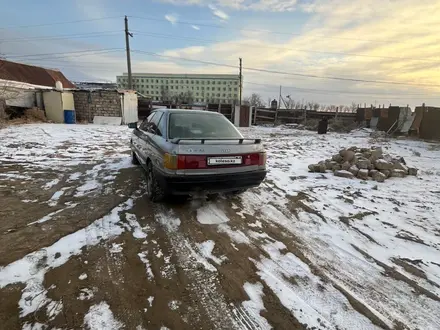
185 88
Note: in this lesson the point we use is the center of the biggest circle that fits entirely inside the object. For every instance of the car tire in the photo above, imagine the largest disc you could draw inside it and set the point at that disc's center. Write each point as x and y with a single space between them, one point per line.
154 190
134 159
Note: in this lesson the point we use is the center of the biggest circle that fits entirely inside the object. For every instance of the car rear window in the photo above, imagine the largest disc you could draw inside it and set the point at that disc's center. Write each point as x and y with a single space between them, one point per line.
199 125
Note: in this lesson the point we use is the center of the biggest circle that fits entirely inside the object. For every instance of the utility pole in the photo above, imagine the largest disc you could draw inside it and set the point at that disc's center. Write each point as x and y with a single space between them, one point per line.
127 48
241 82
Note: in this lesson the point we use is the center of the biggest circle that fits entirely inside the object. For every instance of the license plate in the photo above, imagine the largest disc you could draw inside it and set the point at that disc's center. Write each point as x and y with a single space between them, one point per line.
235 160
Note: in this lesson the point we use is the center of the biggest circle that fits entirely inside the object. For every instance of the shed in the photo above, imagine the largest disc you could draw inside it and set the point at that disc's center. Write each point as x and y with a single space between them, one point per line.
106 103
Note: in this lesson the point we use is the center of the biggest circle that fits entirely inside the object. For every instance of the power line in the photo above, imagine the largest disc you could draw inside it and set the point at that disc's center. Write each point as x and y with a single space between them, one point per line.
62 36
254 30
58 23
332 92
291 73
84 52
168 36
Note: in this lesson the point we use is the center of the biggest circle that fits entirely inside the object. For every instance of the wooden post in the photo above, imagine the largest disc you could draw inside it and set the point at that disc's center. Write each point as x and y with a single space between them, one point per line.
255 115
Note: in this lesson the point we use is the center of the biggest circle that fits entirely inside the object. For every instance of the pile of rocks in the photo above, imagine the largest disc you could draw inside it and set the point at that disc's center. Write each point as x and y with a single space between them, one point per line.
365 164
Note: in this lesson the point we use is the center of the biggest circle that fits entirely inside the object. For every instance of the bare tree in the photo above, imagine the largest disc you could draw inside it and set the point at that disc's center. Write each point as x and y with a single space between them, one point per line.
254 100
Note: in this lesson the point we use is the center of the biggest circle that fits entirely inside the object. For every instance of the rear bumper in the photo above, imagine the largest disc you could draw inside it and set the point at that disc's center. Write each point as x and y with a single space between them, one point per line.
188 184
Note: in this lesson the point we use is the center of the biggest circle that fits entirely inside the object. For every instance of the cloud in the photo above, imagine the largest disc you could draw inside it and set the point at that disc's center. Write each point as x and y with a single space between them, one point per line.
195 27
256 5
172 18
219 13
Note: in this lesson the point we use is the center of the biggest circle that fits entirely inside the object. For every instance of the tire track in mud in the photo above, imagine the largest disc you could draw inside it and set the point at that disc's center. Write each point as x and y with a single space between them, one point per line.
377 317
234 272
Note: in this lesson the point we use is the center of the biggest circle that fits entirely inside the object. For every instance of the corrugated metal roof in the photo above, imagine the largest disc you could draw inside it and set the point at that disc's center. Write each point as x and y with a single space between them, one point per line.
31 74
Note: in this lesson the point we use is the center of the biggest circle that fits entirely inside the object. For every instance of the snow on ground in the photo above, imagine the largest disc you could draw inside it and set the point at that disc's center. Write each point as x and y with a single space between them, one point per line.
331 252
369 228
100 317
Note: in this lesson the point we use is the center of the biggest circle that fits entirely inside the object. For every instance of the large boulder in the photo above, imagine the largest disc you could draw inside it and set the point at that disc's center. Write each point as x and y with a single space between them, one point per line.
344 174
379 177
398 173
412 171
372 172
386 172
382 164
362 174
347 155
377 153
400 166
363 163
337 158
336 167
354 169
353 148
345 166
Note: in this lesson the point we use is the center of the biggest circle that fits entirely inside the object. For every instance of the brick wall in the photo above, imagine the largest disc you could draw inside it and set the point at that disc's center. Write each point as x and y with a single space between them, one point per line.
102 103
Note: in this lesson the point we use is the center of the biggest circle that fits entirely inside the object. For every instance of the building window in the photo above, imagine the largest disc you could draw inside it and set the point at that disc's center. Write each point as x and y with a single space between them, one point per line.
192 81
203 88
187 82
236 82
236 89
181 81
224 83
213 82
218 94
157 81
235 95
207 94
142 80
224 88
219 89
224 95
171 87
197 82
202 82
207 82
197 87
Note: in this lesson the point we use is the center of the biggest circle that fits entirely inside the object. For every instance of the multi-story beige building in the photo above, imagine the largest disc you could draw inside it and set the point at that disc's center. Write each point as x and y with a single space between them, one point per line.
185 88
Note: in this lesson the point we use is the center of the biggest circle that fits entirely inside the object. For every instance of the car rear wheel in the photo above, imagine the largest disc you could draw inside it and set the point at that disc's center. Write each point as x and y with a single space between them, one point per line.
134 159
154 190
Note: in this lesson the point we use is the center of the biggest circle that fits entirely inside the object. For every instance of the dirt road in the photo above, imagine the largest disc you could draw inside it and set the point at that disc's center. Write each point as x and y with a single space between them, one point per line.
82 246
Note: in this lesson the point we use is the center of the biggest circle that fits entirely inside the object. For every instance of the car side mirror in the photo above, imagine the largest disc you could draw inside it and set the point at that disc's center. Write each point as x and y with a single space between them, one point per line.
132 125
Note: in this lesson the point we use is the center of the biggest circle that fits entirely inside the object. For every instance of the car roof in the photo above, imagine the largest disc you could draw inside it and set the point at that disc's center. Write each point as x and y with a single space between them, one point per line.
187 111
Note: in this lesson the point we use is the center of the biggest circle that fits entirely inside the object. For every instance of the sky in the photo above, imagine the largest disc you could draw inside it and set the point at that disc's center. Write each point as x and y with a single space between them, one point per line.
326 51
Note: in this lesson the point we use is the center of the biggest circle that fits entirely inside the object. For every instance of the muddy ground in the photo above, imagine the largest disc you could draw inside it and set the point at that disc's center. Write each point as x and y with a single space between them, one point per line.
83 247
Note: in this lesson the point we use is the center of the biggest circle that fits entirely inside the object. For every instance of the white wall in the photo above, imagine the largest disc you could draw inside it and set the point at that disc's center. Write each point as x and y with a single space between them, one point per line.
129 104
53 105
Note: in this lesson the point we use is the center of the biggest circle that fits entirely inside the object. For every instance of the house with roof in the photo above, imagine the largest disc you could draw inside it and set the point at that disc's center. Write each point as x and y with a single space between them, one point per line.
22 85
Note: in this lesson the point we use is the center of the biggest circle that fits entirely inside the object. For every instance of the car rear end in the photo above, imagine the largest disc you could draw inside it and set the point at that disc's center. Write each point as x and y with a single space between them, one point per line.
211 157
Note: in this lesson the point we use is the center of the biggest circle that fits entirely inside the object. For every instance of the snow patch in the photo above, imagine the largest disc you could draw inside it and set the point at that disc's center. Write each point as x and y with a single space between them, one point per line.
100 317
116 248
82 276
255 304
206 248
144 259
210 214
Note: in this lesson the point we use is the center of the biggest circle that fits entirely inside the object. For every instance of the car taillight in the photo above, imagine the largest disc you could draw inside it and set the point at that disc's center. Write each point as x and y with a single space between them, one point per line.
180 162
255 159
263 158
192 162
170 161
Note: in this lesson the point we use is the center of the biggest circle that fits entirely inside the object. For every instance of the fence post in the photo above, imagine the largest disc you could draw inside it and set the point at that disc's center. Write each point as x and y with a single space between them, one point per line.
255 115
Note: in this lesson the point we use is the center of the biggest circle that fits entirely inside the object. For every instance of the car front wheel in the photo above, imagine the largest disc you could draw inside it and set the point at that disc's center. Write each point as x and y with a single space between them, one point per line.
154 190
